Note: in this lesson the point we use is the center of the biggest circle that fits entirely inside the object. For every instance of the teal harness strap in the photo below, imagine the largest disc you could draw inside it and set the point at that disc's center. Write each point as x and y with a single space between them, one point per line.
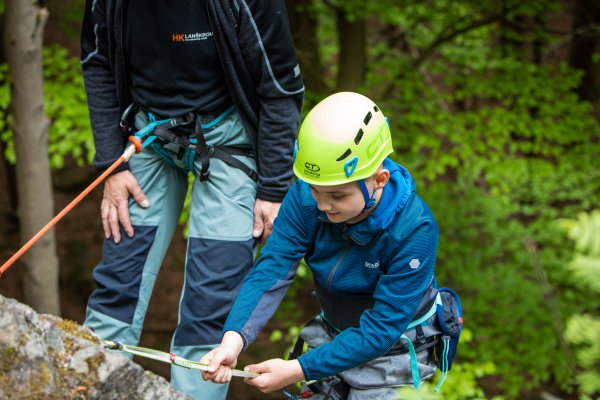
190 156
432 311
192 145
444 368
163 153
414 367
219 118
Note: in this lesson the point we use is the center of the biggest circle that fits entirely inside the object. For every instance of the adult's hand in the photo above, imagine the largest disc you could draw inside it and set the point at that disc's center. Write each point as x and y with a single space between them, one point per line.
275 374
264 215
222 359
114 208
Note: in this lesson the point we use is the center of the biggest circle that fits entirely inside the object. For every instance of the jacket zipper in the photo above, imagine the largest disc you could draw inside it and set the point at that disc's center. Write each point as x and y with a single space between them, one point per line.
339 261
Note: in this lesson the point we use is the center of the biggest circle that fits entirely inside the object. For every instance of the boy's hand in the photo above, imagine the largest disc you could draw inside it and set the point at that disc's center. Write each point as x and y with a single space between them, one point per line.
275 374
223 358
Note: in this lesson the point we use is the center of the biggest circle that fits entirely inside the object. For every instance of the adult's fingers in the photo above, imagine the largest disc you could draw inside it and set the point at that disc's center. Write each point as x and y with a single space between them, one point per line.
104 208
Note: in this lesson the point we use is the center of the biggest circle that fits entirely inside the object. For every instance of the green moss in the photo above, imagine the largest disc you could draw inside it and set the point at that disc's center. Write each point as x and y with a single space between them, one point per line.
94 362
10 356
69 346
75 329
45 376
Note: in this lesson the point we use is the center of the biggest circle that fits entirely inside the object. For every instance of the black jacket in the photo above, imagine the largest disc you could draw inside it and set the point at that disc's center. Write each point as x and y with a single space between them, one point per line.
261 69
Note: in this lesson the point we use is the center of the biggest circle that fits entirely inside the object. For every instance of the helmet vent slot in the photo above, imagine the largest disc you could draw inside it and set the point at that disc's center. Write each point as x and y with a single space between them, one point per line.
358 136
375 108
368 118
345 155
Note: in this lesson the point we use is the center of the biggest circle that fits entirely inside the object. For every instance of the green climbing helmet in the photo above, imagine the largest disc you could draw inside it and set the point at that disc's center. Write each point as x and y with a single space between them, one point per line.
344 138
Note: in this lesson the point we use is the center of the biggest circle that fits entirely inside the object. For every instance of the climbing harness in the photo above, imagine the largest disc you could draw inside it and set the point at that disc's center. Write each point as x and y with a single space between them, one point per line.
155 132
437 330
170 358
158 133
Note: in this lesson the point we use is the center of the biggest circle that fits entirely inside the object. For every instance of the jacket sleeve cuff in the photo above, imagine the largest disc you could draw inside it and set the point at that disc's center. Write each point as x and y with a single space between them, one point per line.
270 195
305 370
239 332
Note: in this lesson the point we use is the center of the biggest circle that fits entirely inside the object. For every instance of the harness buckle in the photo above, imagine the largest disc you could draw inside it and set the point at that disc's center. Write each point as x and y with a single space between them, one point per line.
204 176
125 122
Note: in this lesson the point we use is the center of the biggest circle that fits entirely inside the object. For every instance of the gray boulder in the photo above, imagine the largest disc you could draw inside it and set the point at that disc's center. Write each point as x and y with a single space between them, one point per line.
46 357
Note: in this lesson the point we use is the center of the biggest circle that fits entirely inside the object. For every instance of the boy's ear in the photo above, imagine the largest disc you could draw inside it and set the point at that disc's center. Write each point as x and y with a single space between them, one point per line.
382 177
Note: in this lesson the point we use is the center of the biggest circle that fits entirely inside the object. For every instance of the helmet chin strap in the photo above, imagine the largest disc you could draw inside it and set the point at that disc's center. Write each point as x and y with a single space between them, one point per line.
369 199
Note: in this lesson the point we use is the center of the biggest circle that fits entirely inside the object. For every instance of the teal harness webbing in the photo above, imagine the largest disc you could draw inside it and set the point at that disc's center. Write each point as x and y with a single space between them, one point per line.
157 133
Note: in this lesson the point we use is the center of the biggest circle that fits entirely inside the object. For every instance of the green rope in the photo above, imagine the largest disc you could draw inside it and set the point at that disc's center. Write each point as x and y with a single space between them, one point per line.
169 358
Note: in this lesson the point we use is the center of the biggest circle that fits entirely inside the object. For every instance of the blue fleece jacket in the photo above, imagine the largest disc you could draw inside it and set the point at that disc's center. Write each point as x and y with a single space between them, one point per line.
390 256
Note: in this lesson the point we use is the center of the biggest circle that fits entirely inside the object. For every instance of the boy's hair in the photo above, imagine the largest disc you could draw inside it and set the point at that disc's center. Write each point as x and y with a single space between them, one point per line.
344 138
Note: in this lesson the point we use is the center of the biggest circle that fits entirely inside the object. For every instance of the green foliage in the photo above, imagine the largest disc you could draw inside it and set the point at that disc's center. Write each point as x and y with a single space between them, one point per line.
70 12
65 105
501 147
583 330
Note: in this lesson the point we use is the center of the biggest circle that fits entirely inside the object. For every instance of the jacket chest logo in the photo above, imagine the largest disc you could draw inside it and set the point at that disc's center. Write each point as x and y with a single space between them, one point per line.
182 37
372 265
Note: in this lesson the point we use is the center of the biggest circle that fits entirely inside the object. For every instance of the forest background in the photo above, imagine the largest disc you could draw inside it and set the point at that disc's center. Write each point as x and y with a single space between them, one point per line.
494 108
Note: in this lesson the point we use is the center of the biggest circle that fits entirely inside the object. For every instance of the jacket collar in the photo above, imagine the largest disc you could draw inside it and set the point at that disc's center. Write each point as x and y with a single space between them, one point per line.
394 198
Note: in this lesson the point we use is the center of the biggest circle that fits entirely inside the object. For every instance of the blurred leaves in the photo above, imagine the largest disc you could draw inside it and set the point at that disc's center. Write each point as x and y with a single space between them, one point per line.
66 107
583 330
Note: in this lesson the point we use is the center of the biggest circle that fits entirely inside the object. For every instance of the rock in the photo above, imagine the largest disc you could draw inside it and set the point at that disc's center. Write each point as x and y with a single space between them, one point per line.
46 357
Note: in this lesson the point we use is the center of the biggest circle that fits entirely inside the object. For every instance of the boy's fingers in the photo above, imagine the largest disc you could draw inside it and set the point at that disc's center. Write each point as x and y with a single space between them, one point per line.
256 368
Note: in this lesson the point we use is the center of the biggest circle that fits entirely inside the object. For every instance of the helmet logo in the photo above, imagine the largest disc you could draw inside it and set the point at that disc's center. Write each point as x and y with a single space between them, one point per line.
377 143
350 166
312 169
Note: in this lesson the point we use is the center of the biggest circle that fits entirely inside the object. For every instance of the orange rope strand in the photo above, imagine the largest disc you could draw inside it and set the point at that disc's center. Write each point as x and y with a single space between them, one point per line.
59 216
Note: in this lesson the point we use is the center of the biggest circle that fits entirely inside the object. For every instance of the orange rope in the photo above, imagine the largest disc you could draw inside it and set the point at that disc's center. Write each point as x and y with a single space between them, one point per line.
61 214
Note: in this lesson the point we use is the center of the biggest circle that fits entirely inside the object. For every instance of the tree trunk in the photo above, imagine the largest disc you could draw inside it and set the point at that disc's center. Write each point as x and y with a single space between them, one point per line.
585 44
24 31
304 24
353 52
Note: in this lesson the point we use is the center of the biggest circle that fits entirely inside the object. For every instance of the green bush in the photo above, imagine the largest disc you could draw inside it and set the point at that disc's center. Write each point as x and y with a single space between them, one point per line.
65 105
583 330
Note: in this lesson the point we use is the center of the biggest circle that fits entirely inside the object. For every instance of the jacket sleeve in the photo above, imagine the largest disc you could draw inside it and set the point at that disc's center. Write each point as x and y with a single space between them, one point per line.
267 47
397 297
100 86
264 287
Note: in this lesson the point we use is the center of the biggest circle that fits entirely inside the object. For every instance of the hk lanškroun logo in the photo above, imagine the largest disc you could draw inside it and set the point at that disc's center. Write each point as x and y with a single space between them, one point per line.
312 169
183 37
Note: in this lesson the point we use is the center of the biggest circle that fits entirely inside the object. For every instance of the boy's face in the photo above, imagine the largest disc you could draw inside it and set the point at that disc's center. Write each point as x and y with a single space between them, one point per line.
345 203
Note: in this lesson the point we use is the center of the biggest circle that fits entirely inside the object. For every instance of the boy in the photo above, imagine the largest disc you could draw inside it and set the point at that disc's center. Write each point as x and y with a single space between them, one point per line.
370 242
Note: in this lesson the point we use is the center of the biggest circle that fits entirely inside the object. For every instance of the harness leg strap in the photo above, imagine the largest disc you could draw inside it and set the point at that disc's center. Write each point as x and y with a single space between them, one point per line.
202 150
